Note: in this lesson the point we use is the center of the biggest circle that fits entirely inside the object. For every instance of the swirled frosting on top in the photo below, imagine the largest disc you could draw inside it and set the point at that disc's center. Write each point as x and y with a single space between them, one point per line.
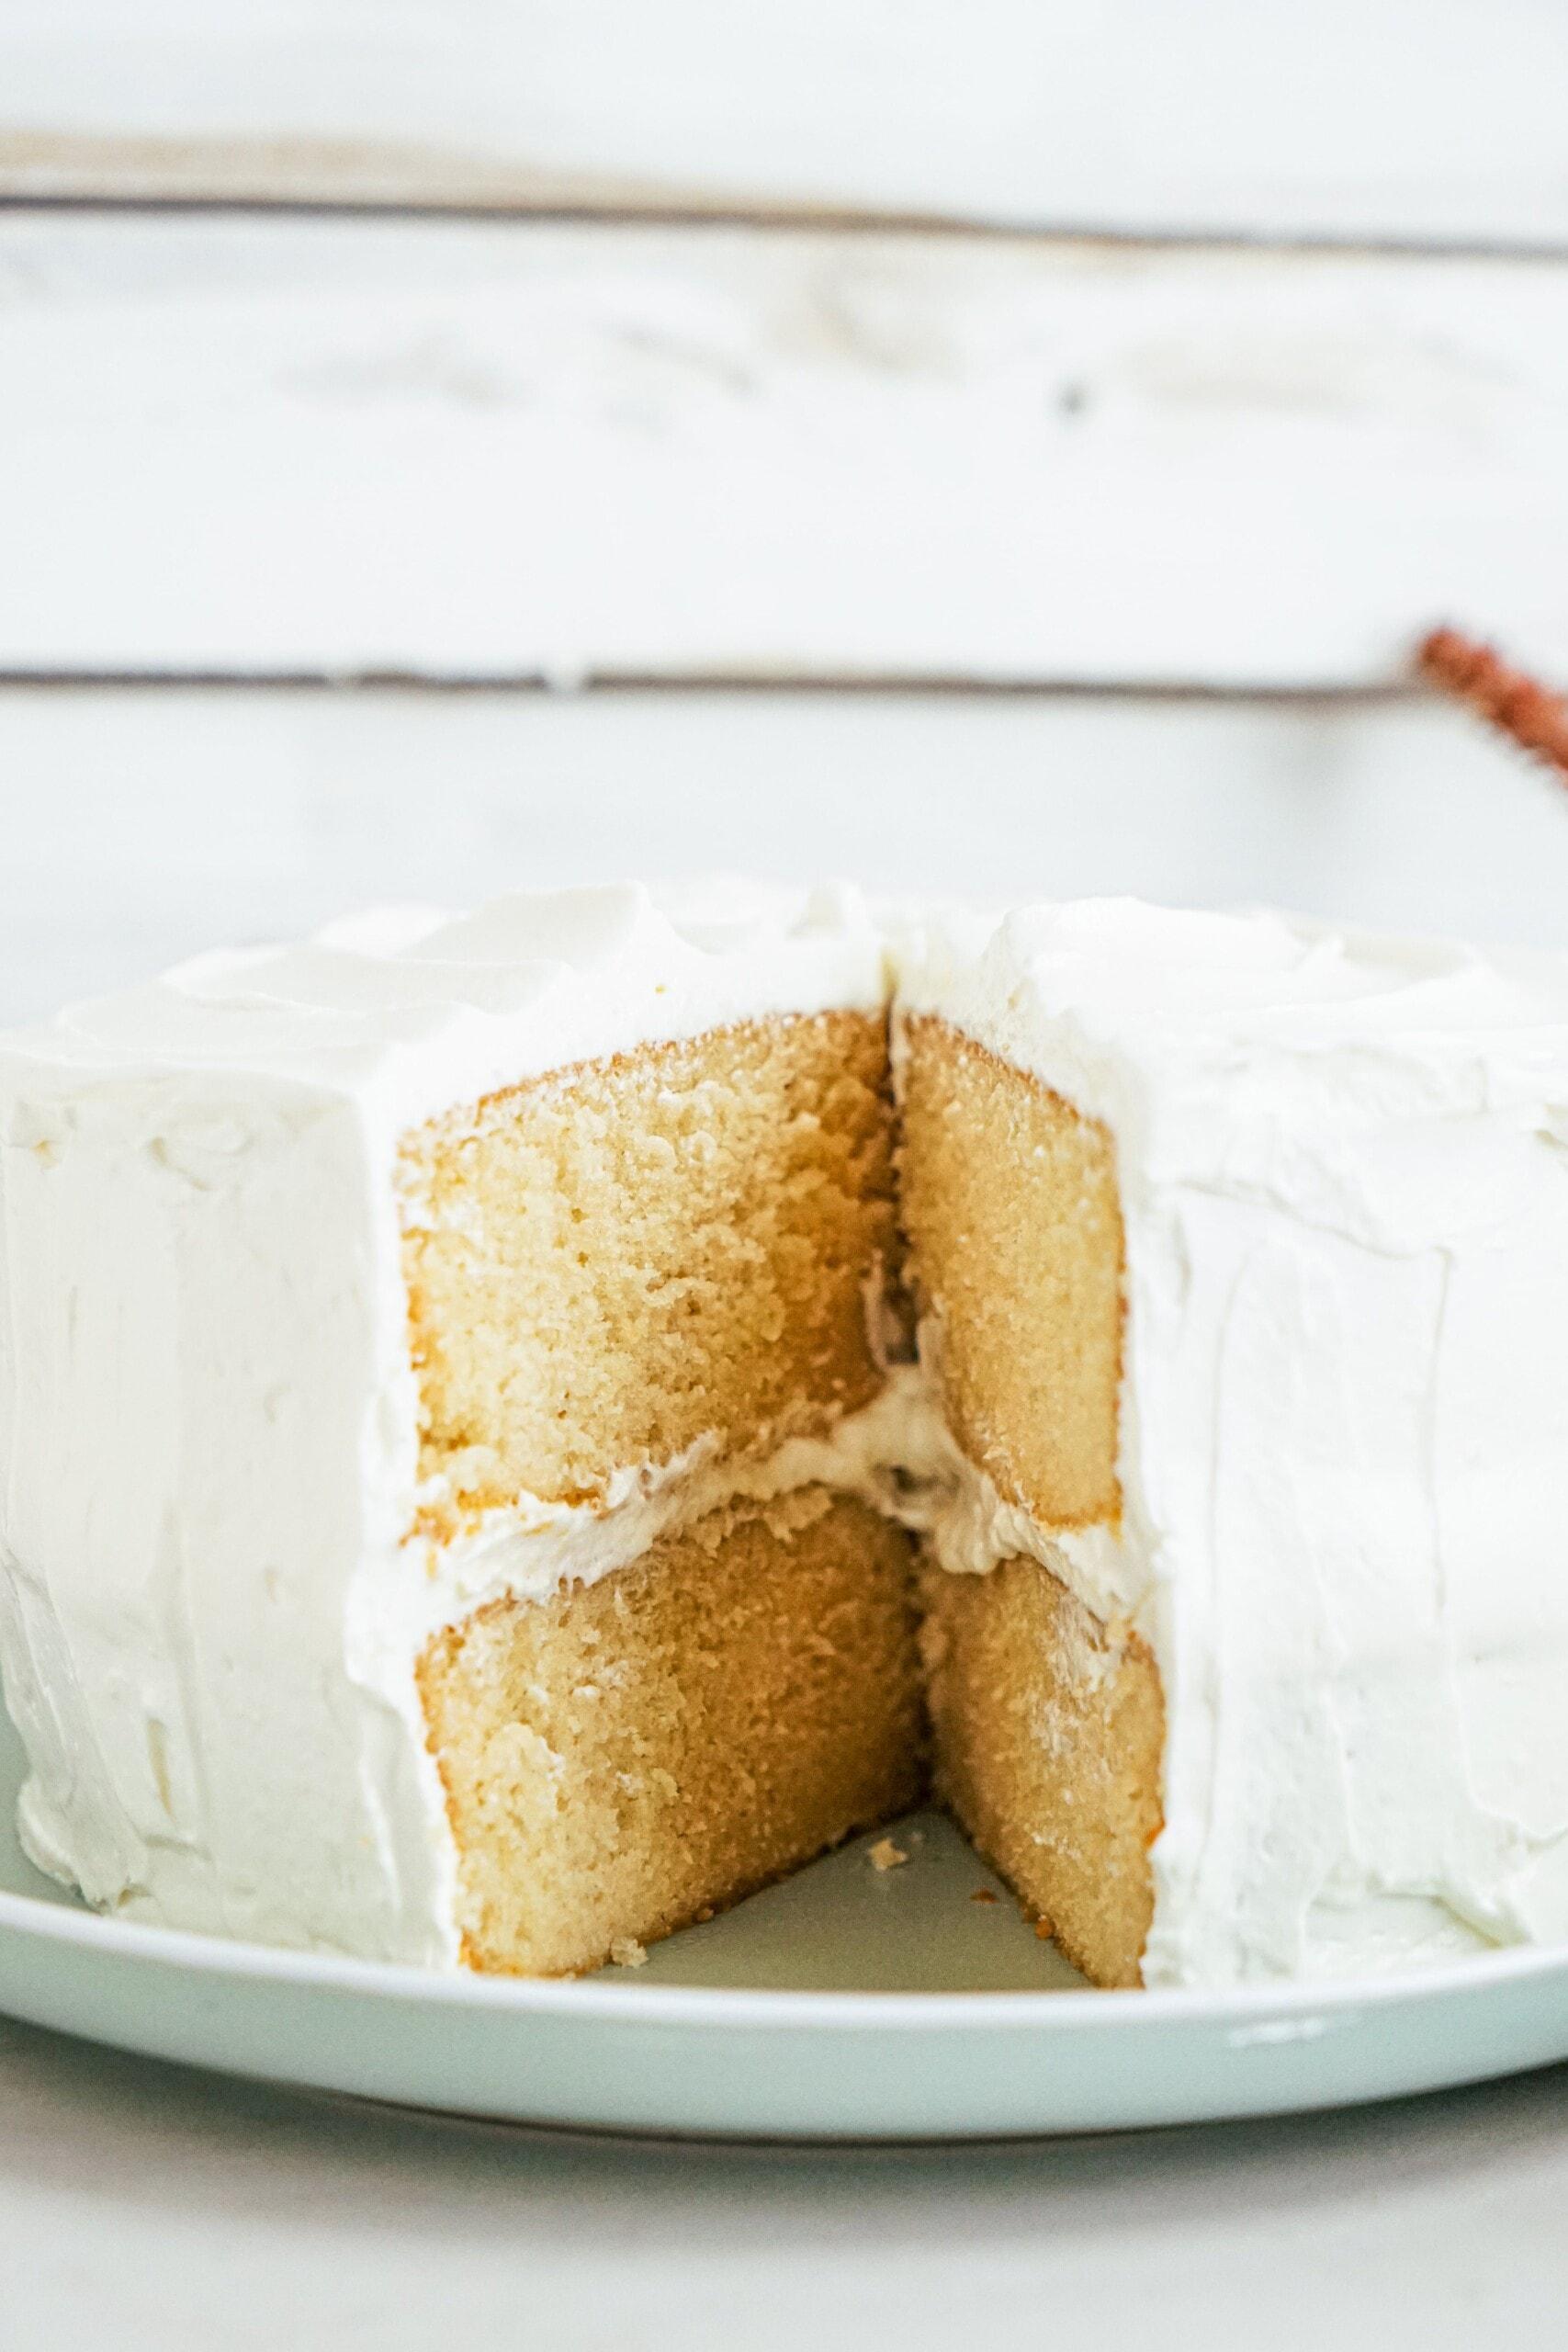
413 1009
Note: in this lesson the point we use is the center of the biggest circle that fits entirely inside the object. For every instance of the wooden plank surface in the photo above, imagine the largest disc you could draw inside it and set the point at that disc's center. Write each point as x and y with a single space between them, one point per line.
569 451
1366 118
139 825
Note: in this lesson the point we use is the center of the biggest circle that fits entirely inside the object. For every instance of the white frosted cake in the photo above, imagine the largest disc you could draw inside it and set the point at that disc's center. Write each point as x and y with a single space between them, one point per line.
520 1428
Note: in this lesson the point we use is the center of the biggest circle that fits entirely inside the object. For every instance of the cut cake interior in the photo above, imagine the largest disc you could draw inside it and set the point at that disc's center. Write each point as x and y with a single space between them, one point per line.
675 1249
636 1753
611 1266
609 1263
1048 1725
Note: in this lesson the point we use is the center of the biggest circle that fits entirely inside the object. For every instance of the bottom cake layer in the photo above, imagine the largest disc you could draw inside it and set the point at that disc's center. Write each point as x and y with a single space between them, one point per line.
631 1755
1048 1736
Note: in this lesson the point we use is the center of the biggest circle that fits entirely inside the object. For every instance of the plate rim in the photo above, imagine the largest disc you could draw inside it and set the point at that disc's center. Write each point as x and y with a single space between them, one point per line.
1313 2004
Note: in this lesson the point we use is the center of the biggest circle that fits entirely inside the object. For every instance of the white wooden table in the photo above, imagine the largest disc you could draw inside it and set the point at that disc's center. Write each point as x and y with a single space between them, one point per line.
974 444
149 2210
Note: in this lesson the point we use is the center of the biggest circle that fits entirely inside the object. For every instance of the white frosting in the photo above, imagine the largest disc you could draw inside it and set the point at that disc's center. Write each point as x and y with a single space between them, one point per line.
208 1407
1344 1437
1343 1433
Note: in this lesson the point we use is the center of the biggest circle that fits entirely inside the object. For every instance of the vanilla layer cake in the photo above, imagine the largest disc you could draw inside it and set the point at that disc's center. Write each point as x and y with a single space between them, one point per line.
523 1427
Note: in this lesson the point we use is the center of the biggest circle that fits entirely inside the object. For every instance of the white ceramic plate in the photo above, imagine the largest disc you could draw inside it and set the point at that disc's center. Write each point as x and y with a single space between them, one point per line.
850 2002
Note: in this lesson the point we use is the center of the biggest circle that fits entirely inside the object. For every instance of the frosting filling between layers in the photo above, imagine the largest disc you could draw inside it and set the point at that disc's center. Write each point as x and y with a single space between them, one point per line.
532 1549
896 1455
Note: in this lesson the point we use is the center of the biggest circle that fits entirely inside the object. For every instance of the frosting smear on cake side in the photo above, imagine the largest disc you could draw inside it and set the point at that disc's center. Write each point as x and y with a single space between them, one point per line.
522 1427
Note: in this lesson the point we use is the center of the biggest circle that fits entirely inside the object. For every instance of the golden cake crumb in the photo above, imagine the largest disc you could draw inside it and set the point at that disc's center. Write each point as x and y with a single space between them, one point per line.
1047 1724
1012 1216
613 1261
633 1754
616 1261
